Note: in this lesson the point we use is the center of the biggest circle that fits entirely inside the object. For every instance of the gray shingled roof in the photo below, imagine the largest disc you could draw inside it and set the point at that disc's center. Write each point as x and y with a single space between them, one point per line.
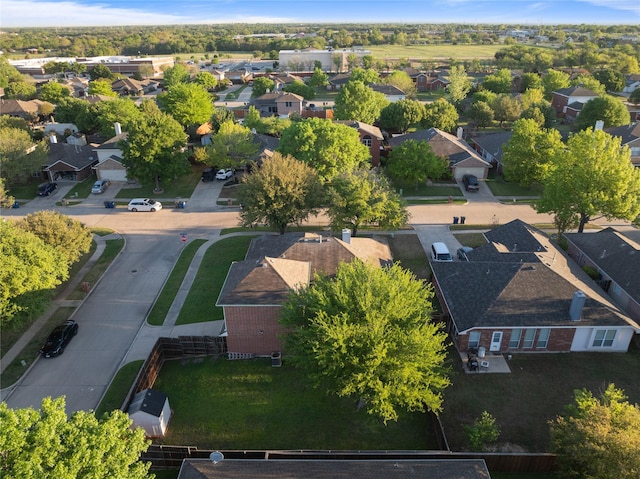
112 143
614 254
77 157
386 89
335 469
149 401
516 281
576 91
494 142
627 133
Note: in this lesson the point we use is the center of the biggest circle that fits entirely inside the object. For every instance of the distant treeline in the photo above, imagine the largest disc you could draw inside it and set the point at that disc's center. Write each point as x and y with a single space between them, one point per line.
182 39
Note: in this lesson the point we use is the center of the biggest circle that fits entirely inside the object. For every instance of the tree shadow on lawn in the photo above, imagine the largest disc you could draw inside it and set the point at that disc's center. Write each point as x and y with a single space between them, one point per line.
247 404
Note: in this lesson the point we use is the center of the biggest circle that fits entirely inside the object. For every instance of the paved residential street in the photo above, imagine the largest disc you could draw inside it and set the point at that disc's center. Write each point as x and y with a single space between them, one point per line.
112 318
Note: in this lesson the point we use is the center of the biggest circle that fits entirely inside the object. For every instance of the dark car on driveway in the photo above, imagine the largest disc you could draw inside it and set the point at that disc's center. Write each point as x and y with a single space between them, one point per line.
45 189
58 339
470 183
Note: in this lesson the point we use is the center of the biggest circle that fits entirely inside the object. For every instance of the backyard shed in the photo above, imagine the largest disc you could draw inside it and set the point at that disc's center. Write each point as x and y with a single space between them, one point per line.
150 410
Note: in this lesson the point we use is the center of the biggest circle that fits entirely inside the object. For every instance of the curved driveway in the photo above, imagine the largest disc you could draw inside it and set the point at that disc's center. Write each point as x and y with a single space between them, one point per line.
111 318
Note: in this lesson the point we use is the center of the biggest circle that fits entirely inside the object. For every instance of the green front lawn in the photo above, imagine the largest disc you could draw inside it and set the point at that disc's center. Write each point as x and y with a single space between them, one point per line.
81 189
499 187
181 187
247 404
424 190
119 387
200 303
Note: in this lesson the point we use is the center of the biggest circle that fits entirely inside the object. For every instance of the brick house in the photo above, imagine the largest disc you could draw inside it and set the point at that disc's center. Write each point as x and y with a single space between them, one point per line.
571 99
70 162
629 136
370 136
279 103
617 260
521 293
430 82
255 288
489 147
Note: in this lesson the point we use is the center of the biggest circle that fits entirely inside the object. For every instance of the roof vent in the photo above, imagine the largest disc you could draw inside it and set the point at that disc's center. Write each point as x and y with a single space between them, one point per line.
577 305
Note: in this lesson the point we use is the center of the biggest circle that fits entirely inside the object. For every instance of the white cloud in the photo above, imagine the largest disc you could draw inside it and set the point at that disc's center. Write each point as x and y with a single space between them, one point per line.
48 13
627 5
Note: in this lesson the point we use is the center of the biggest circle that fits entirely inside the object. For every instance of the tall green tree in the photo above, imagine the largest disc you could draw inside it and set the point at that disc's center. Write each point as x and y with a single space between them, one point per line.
53 92
100 71
27 264
592 176
20 90
598 437
506 108
413 162
398 116
459 84
261 85
356 101
302 89
48 443
222 115
531 81
119 110
155 148
607 108
319 79
635 96
188 103
554 80
206 80
361 197
364 75
283 192
481 114
590 83
527 156
440 114
231 147
176 74
330 148
101 87
368 335
20 156
77 111
498 82
403 81
68 236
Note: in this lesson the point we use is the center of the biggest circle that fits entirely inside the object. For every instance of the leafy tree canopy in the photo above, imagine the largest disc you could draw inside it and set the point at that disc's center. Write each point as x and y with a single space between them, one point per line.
47 443
589 82
459 84
592 176
18 158
76 111
481 114
119 110
413 162
607 108
598 437
635 96
403 81
318 79
68 236
398 116
440 114
368 335
506 108
364 75
302 89
330 148
531 81
261 85
176 74
498 82
20 90
221 115
361 197
53 92
554 80
356 101
101 87
188 103
206 80
231 147
284 191
100 71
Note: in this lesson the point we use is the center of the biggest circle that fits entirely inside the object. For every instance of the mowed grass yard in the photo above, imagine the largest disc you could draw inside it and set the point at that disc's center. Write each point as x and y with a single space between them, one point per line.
426 52
247 404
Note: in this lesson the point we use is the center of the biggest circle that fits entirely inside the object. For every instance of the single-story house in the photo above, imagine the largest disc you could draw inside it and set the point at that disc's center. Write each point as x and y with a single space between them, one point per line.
463 160
522 293
285 79
255 289
629 136
128 86
150 410
71 162
302 468
616 258
370 136
109 166
489 146
278 103
27 110
338 81
571 98
391 93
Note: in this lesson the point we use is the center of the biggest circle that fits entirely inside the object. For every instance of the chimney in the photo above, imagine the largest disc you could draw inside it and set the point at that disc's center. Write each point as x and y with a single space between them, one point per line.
577 304
346 235
599 125
118 128
53 139
459 133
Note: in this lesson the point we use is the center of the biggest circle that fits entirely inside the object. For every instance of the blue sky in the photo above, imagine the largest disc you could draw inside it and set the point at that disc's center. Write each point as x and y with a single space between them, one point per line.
37 13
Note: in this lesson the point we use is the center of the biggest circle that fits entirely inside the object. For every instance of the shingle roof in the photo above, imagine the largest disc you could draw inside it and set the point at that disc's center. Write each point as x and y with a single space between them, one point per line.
149 401
112 143
493 142
76 156
386 89
520 279
627 133
358 125
334 469
576 91
616 255
262 279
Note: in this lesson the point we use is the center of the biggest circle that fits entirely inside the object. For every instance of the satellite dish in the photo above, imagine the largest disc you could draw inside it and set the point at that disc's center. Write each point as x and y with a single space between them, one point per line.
216 457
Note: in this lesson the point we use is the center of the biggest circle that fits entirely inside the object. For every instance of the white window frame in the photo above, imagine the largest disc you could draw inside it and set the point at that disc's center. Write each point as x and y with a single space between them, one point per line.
367 141
543 338
604 338
473 342
514 340
528 338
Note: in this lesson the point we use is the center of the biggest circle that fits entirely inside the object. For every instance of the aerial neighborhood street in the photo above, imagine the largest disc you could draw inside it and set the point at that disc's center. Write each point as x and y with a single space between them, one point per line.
378 250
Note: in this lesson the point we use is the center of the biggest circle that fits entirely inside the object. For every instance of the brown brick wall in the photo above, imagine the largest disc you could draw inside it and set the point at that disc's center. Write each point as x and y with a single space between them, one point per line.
253 329
560 340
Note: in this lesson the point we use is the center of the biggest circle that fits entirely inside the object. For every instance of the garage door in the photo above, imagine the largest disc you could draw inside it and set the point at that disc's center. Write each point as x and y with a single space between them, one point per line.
460 172
113 175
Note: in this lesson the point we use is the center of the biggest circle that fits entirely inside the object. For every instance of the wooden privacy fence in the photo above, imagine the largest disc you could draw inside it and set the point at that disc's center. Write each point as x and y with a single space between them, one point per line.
171 457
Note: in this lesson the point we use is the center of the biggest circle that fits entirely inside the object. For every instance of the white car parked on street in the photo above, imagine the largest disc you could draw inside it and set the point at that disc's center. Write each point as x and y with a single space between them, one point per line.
144 204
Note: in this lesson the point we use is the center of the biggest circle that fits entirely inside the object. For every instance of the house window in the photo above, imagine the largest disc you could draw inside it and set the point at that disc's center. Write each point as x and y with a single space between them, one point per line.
288 104
514 341
604 338
543 338
273 109
529 335
366 141
474 339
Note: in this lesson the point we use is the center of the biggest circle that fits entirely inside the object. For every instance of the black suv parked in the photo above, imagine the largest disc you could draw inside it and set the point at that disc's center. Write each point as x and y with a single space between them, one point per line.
470 183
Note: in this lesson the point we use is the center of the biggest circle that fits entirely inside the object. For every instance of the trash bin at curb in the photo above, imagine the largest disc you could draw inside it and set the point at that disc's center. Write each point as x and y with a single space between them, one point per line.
455 220
109 204
276 359
462 219
86 286
180 204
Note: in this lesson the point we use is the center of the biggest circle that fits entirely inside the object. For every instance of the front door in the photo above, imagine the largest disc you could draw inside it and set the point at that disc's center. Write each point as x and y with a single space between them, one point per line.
496 341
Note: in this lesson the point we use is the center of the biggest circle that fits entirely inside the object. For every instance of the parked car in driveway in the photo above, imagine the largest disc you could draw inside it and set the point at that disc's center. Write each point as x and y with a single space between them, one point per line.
462 253
45 189
440 252
59 339
144 204
224 174
99 186
470 183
